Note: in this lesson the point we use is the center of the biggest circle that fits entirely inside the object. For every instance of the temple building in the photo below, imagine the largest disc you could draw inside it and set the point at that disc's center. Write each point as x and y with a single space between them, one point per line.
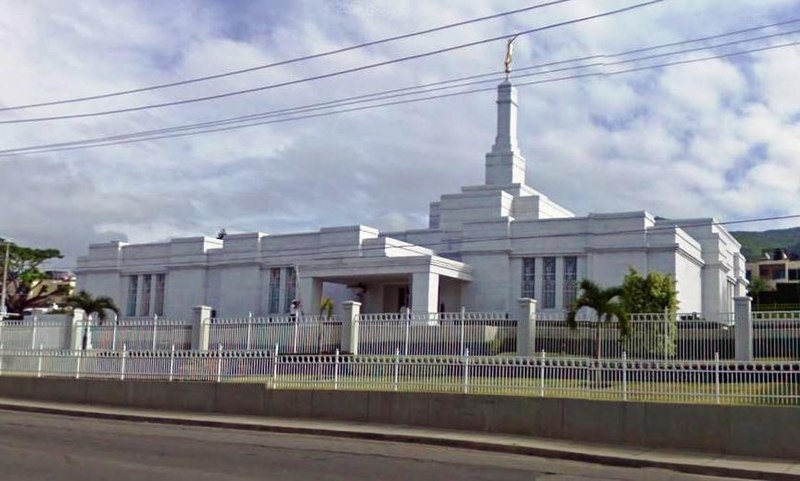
484 248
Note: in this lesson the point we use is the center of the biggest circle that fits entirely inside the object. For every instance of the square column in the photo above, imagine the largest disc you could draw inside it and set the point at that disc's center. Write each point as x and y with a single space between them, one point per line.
744 328
425 292
310 295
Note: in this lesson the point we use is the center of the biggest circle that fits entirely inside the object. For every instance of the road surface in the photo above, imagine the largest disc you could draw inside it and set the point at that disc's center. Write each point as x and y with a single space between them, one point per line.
51 447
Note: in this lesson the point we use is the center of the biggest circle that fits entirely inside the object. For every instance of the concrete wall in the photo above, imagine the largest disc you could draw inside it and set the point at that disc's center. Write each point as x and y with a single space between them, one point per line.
740 430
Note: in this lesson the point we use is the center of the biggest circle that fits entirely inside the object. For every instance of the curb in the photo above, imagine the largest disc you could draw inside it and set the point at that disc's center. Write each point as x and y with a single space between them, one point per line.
608 460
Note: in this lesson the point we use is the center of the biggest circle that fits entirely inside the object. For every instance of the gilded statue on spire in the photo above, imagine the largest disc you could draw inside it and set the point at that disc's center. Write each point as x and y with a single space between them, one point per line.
509 55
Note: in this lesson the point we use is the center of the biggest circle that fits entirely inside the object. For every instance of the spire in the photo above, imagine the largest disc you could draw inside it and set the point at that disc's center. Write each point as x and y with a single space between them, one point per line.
504 164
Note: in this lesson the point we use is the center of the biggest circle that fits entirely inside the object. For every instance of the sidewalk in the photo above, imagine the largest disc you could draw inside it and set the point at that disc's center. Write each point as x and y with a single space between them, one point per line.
687 462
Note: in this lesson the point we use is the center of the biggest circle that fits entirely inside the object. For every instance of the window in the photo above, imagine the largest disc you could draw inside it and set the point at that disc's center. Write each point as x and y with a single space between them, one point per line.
570 280
147 289
549 283
528 278
289 290
794 274
161 281
133 290
274 290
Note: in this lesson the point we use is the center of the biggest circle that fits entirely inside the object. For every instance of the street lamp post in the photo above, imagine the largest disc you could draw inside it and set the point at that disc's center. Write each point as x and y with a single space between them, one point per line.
3 310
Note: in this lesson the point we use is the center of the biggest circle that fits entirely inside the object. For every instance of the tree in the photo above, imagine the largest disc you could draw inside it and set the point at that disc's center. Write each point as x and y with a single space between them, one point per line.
24 286
604 302
757 286
655 293
93 305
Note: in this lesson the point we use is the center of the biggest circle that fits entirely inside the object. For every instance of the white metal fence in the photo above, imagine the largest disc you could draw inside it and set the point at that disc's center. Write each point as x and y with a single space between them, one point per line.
304 334
684 336
776 334
33 334
716 381
146 334
450 333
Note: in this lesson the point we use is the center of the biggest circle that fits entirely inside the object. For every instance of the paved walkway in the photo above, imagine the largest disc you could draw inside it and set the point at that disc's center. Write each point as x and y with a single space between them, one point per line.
688 462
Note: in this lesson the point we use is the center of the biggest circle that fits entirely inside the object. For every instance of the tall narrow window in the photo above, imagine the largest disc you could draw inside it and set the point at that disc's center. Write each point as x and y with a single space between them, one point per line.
570 280
274 290
528 277
548 282
147 289
161 281
290 290
133 290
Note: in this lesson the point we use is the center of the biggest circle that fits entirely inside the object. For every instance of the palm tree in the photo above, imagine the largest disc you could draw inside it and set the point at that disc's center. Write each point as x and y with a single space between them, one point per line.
92 305
603 302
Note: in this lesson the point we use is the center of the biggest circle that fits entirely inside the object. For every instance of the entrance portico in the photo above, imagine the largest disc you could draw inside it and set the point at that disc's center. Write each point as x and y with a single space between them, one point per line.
388 284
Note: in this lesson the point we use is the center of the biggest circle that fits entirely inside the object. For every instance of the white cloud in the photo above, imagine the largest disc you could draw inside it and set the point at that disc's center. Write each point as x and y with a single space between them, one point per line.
712 139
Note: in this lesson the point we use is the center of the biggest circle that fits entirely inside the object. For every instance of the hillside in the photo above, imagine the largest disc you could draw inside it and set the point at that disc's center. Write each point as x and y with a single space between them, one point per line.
754 243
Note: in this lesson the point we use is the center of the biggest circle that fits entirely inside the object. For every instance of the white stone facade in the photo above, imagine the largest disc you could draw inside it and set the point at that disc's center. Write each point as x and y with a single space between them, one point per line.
484 248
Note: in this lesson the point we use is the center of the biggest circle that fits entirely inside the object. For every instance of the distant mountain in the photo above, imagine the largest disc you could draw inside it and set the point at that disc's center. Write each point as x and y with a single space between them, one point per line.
755 243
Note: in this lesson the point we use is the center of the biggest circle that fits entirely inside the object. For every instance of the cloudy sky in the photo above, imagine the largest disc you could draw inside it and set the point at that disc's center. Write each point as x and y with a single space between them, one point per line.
718 138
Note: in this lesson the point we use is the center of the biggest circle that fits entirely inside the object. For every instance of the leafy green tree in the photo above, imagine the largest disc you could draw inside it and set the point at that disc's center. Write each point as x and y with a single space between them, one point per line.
23 289
605 302
93 305
655 293
756 287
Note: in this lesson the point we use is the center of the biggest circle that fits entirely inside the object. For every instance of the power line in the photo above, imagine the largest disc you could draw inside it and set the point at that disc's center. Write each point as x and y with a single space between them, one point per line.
288 61
670 226
330 74
171 131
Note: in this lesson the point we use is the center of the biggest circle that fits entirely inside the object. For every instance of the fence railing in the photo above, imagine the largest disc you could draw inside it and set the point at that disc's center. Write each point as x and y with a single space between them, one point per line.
146 334
33 334
720 382
653 336
304 334
776 335
450 333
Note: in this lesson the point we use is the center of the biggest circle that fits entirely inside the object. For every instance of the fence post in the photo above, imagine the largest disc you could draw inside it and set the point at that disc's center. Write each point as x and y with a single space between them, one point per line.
275 367
172 363
155 332
351 310
124 357
33 334
396 368
336 370
466 371
39 366
249 330
744 328
78 365
526 327
716 377
624 376
541 374
296 332
79 320
407 336
201 323
114 336
219 362
2 354
666 333
463 323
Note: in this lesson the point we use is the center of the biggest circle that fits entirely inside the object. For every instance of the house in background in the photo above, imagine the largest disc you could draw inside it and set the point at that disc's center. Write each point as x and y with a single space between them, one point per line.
485 247
776 267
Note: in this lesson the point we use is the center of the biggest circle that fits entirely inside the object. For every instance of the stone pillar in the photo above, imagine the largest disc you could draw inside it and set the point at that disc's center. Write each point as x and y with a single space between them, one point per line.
73 338
744 328
425 293
310 295
201 321
350 313
526 327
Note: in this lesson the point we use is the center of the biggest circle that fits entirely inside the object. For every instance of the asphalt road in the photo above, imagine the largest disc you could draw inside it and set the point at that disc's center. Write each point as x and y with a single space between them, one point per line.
50 447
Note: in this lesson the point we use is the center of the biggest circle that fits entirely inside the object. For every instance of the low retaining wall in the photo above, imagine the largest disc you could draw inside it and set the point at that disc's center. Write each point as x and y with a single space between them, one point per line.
741 430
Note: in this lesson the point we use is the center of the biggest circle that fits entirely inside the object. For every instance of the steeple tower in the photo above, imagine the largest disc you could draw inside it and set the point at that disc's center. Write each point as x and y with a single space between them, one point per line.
504 164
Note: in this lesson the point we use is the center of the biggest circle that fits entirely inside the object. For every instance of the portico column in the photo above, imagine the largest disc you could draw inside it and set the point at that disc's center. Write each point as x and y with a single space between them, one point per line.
424 292
310 295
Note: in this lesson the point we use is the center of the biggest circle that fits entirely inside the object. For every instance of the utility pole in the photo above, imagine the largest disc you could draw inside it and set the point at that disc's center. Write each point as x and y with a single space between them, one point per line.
3 310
